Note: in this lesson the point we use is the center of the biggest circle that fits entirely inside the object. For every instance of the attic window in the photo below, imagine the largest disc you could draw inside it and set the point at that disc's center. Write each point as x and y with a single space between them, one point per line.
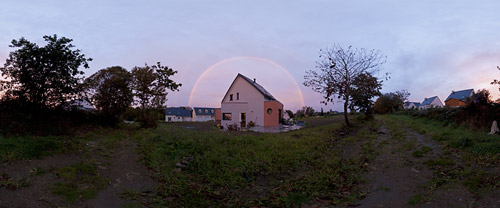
231 97
237 96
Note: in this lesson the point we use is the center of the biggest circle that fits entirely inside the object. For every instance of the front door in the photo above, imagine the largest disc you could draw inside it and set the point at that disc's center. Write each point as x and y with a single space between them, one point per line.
243 120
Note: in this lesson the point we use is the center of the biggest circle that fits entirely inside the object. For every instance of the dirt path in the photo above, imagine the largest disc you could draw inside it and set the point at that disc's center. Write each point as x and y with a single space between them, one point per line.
394 176
126 174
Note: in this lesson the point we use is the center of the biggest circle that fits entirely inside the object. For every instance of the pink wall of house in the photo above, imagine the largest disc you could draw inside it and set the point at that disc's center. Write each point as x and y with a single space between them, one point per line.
273 112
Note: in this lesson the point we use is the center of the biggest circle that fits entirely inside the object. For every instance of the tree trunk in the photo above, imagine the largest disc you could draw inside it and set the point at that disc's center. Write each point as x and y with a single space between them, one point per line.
346 103
143 113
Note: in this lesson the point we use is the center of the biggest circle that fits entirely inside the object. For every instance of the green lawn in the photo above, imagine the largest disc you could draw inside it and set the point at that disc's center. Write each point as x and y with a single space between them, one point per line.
215 168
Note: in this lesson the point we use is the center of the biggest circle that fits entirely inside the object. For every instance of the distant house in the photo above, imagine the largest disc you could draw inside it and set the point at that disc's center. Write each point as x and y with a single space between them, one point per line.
411 105
430 102
178 114
203 114
79 104
457 99
246 101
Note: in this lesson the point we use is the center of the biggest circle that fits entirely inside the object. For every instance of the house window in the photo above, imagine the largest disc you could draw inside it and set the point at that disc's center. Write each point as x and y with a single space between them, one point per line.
237 96
212 111
269 111
226 116
231 97
206 111
199 110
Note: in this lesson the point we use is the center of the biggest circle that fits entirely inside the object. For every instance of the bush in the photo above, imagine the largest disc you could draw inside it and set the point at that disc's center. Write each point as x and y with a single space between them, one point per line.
149 121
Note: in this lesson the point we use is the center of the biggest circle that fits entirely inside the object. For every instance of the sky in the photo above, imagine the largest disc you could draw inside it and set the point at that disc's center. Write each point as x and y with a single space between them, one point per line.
432 47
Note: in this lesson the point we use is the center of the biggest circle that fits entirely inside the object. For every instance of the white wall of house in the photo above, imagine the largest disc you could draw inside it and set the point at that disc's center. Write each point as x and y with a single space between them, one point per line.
410 106
250 101
173 118
205 118
435 103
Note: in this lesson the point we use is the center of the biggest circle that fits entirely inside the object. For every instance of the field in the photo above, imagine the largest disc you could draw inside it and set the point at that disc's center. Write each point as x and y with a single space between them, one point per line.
391 161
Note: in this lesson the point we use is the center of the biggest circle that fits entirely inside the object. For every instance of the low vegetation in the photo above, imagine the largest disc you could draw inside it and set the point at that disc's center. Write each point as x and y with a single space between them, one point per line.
216 168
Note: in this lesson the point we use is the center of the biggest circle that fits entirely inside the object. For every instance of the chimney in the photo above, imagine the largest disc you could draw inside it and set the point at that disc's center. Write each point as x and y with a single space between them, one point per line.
254 80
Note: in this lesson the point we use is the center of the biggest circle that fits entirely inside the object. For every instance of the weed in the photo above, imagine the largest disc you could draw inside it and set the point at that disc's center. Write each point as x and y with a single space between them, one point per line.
416 199
81 182
418 153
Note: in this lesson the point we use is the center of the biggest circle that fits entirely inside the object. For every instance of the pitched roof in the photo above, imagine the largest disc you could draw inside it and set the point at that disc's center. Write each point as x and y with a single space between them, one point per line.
204 111
460 95
407 104
179 111
428 101
259 88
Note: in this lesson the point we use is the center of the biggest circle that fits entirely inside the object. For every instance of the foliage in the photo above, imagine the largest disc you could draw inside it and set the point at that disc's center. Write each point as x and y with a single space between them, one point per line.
305 111
478 113
46 76
337 70
150 85
495 81
110 91
80 181
290 113
391 102
22 118
364 88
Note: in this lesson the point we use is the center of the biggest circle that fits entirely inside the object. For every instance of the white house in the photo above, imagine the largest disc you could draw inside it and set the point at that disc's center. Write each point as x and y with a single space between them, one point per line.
430 102
411 105
178 114
246 101
203 114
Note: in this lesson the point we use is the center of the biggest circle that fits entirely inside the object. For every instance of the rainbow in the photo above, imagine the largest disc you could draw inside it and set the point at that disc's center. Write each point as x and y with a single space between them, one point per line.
245 57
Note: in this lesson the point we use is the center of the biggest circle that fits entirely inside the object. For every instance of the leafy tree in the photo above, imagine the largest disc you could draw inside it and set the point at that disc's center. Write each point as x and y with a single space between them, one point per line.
150 85
391 102
481 98
290 113
46 76
337 70
110 91
305 111
364 88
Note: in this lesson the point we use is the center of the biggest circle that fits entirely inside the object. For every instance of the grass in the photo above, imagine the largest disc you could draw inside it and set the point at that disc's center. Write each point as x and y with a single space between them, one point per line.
478 152
479 143
251 169
81 181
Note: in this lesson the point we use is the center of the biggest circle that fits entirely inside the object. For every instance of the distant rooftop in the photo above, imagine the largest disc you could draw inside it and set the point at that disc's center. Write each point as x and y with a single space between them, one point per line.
178 111
428 101
460 95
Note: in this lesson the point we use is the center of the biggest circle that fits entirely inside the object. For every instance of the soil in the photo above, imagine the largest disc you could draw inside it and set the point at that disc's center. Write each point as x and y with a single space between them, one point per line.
123 169
395 176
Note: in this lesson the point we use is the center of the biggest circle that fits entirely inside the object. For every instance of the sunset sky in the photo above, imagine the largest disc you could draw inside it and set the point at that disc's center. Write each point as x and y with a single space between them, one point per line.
433 47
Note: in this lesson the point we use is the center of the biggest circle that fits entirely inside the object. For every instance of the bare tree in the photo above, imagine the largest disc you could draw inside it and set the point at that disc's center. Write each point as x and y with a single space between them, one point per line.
337 69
